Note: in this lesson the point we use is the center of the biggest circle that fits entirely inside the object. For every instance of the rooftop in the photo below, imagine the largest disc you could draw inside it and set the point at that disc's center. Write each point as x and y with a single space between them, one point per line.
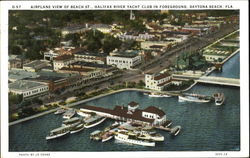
35 63
76 69
24 85
154 110
18 74
161 76
89 64
90 54
132 103
64 57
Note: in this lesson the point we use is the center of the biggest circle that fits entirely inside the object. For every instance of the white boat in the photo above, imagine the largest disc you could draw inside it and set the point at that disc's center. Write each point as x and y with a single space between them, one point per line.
107 136
60 111
194 98
58 132
69 113
153 137
77 128
133 140
176 130
83 114
95 135
71 121
94 121
158 95
219 98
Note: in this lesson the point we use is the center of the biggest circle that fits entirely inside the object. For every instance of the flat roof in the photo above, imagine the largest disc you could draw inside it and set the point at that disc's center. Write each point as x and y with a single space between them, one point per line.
90 54
18 74
35 63
89 64
25 85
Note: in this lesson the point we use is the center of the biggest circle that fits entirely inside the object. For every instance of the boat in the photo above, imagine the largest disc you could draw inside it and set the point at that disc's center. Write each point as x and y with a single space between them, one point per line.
175 131
107 136
219 98
123 137
71 121
83 114
94 121
153 137
60 111
58 132
95 135
158 95
194 98
77 128
69 113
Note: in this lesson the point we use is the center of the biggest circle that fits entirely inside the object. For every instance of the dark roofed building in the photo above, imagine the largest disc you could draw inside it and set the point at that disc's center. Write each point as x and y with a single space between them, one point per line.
152 109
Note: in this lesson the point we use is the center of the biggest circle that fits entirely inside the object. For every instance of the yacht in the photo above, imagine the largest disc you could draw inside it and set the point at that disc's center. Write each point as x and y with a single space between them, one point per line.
60 111
77 128
83 114
58 132
194 98
96 135
123 137
69 113
94 121
153 137
219 98
158 95
71 121
107 136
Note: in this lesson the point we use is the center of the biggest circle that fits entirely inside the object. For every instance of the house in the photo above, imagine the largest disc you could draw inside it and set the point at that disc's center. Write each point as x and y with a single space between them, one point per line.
62 61
124 61
157 81
28 88
74 29
104 28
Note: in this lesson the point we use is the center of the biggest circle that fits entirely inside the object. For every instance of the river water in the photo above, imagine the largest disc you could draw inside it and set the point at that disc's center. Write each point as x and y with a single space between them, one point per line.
205 127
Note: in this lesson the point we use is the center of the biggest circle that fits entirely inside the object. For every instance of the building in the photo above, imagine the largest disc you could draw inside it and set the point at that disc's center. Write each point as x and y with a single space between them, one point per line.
149 116
14 61
28 88
74 29
104 28
157 81
139 37
19 74
98 58
125 61
62 61
35 65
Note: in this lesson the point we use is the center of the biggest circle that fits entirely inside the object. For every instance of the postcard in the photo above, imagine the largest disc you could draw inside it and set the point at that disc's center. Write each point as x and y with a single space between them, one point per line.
124 79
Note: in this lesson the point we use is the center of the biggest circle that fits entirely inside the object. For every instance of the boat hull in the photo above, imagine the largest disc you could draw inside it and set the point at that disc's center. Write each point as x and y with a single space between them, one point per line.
95 124
182 98
137 142
56 136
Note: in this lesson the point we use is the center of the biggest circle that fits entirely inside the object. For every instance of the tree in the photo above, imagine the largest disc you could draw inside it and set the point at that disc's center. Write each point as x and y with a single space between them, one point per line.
110 43
15 98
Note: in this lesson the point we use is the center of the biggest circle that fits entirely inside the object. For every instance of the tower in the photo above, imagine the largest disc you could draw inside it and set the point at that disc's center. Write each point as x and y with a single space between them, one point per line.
132 15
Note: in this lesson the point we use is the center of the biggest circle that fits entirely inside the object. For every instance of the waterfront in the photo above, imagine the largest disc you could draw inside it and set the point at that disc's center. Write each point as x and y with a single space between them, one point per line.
205 127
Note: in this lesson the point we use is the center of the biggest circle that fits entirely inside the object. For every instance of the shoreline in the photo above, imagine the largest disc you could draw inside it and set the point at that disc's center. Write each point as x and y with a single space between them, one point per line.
76 103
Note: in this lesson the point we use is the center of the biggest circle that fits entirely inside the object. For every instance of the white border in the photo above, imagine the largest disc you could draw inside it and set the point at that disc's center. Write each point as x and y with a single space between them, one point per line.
244 77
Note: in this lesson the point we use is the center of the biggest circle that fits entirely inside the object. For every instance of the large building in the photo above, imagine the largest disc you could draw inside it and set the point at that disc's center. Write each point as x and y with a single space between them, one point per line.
157 81
28 88
148 116
124 61
98 58
62 61
74 29
35 65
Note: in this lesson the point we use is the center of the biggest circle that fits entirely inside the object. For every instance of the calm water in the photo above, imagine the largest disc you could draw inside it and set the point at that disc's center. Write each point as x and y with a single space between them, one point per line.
230 69
205 127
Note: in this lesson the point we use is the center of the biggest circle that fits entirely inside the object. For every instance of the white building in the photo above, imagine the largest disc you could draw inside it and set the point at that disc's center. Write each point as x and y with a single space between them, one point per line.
124 62
157 81
62 61
28 88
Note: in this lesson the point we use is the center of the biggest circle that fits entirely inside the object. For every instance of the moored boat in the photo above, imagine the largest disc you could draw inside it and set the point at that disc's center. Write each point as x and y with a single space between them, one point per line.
133 139
153 137
219 98
107 136
71 121
58 132
176 130
69 113
96 135
94 121
158 95
60 111
194 98
83 114
77 128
